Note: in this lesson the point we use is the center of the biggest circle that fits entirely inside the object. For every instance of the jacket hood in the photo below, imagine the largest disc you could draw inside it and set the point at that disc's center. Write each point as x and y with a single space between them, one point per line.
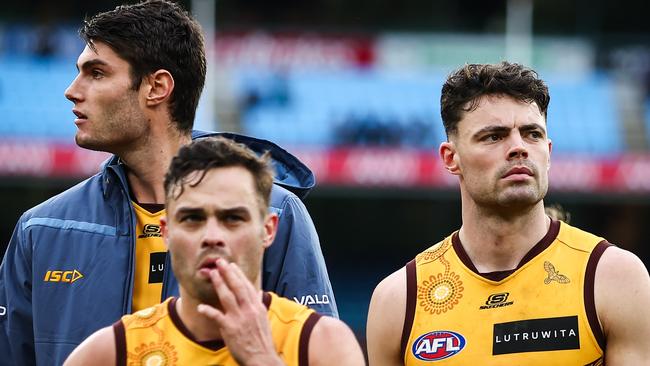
290 173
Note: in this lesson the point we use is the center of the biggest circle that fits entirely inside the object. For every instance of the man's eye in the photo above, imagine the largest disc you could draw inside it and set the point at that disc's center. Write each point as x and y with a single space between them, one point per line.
232 218
97 74
492 137
191 218
536 134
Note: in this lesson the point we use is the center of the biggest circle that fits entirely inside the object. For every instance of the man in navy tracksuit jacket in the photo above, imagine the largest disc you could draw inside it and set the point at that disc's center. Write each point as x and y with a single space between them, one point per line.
69 266
90 229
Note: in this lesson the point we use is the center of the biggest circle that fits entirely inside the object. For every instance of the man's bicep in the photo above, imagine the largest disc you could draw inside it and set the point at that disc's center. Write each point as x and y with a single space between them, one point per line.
294 263
386 320
622 294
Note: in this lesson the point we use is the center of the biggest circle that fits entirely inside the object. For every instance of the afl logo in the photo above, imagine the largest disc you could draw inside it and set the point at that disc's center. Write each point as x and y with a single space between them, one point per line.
438 345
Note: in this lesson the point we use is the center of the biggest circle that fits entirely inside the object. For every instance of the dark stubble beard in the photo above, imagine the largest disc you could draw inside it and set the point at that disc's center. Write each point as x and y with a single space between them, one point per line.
508 204
122 123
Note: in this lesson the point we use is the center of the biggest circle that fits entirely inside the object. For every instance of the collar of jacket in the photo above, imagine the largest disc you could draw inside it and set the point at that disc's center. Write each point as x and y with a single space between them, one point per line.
113 175
290 172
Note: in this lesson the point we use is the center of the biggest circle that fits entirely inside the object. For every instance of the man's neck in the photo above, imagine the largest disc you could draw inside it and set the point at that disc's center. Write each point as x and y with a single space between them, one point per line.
201 328
148 163
496 242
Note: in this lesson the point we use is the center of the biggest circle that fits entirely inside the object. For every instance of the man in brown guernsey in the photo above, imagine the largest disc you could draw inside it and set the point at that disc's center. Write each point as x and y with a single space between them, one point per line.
512 286
217 227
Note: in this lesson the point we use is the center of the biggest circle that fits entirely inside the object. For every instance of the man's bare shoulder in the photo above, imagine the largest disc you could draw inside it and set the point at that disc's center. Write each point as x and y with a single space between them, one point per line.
386 319
620 274
391 287
332 342
622 296
98 349
619 270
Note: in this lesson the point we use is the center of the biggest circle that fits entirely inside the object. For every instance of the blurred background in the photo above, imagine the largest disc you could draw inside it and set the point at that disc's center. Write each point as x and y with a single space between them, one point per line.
353 89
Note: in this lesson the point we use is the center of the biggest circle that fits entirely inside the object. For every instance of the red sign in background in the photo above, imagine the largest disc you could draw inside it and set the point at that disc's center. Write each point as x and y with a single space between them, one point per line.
352 167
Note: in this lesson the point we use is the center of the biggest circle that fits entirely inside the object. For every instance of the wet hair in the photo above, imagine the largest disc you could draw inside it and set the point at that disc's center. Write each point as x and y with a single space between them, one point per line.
217 152
154 35
465 87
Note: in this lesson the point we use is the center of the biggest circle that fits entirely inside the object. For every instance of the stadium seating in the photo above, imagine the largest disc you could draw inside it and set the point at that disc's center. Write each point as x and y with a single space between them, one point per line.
322 108
31 98
582 116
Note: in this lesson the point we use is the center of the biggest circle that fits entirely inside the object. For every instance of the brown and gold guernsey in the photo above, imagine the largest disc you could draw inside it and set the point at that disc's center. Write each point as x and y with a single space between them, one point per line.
541 313
157 336
150 253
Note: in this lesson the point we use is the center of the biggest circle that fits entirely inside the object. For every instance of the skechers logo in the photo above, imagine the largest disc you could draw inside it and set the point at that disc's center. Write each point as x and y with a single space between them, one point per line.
437 345
312 300
149 231
63 276
497 301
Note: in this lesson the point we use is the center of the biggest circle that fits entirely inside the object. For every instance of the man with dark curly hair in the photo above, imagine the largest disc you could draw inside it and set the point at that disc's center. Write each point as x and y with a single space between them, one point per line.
512 286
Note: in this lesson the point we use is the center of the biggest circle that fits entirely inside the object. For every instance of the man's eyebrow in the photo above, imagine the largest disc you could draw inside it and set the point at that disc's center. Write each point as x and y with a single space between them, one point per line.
531 126
225 211
189 210
240 210
493 128
91 63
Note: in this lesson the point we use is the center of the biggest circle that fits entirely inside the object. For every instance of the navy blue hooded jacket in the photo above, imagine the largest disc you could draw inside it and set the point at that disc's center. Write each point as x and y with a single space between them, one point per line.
85 238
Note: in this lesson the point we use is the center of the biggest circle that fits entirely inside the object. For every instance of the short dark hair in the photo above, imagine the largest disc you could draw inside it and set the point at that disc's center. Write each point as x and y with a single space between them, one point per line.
464 88
154 35
204 154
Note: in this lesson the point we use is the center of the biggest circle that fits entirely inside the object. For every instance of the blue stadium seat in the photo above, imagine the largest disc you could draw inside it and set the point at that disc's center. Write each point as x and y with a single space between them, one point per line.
31 98
582 115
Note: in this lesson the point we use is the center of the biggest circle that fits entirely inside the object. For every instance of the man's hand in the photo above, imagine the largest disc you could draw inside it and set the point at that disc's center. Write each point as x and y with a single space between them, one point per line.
242 318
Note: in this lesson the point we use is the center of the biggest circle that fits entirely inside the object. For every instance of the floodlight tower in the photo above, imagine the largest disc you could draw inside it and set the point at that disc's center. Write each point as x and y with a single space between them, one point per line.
519 32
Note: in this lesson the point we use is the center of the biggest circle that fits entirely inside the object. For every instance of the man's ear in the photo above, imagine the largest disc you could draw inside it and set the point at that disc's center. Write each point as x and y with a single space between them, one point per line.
447 152
270 228
160 85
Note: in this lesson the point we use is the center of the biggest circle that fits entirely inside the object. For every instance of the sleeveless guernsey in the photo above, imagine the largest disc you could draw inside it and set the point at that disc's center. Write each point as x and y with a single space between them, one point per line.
541 313
157 336
150 253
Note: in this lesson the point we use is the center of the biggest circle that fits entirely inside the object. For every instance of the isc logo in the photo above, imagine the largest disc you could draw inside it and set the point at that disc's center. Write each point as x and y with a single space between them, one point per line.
62 276
438 345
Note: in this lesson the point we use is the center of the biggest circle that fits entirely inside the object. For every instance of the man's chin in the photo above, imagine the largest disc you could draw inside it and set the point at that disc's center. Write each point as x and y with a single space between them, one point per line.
90 144
520 200
86 143
207 295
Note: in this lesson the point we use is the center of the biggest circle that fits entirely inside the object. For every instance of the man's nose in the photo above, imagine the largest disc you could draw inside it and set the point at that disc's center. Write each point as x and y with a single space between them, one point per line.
518 148
213 234
72 92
